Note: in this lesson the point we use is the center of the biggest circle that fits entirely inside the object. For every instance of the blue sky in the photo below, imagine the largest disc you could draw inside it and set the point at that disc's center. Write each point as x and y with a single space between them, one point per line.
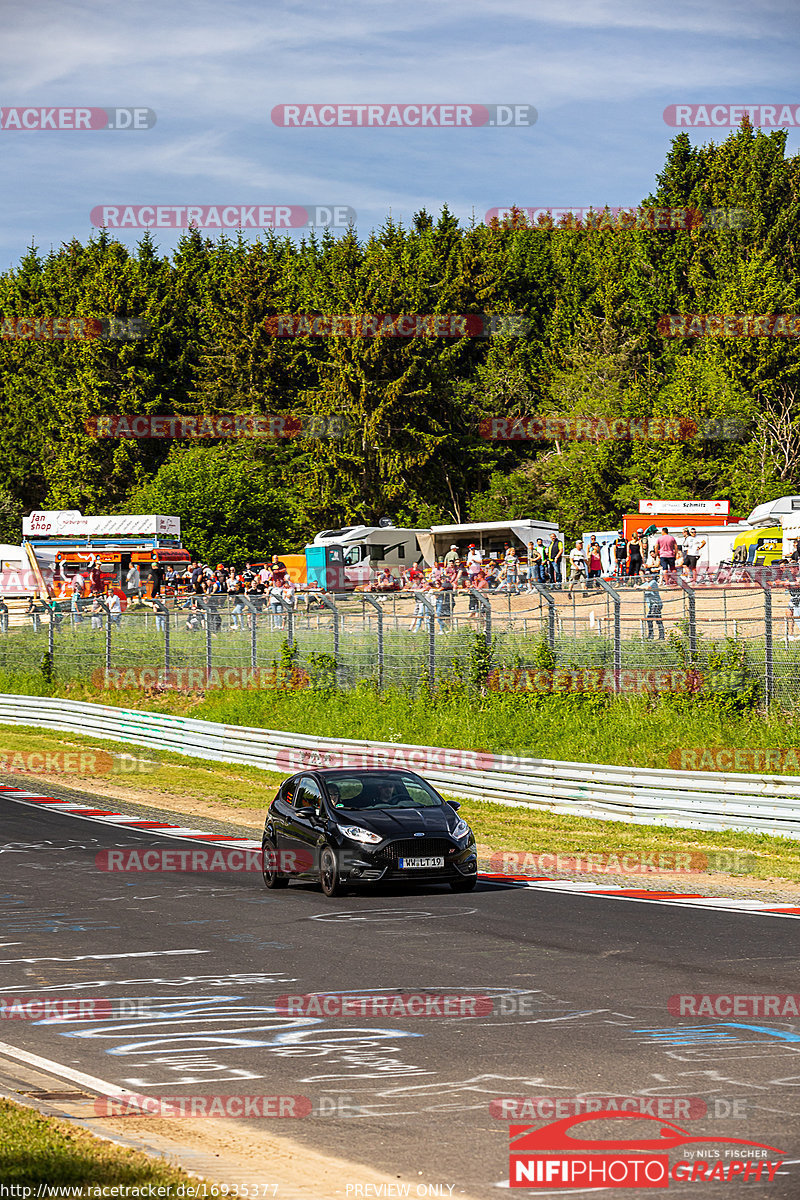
599 73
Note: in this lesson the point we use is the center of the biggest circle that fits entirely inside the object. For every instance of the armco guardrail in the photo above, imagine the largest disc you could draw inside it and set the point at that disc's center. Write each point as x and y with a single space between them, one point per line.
697 800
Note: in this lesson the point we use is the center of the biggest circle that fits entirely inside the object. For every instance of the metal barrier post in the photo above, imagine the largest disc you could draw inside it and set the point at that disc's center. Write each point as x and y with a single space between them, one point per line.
769 664
430 615
617 599
288 608
379 610
486 605
162 609
326 600
692 618
207 611
253 611
551 611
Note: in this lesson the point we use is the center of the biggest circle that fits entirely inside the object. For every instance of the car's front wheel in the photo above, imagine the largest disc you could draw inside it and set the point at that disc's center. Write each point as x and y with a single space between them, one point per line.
464 885
269 866
329 878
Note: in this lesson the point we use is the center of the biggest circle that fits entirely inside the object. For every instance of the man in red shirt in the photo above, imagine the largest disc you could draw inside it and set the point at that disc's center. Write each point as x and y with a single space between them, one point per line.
667 550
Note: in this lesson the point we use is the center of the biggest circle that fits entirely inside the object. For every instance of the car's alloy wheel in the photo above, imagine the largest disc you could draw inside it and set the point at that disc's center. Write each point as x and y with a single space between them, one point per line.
464 885
329 878
272 877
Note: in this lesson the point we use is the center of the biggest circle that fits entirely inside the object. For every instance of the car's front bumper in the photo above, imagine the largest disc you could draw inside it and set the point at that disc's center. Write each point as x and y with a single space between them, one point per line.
362 866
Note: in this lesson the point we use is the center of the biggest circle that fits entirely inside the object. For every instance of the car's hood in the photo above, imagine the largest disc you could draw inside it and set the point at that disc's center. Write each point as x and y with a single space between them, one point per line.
401 822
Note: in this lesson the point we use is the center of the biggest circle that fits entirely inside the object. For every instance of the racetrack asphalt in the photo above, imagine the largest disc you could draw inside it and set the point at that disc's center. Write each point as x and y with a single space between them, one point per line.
580 988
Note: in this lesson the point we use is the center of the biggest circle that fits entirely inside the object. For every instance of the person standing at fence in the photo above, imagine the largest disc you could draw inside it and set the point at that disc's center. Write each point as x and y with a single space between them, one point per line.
444 599
421 608
636 556
474 561
692 545
3 616
97 614
653 607
620 554
75 606
114 609
542 573
667 550
156 578
535 562
33 611
793 611
578 567
275 600
133 580
555 556
594 562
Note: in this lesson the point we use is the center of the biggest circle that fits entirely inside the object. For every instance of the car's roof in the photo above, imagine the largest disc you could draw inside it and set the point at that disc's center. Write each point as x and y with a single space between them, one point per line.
332 772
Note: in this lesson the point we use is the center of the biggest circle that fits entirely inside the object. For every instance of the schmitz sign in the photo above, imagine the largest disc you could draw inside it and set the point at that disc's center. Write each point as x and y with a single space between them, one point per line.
70 523
685 506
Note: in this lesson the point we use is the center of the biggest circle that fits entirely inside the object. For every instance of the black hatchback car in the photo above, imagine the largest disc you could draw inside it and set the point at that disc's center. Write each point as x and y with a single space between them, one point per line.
350 827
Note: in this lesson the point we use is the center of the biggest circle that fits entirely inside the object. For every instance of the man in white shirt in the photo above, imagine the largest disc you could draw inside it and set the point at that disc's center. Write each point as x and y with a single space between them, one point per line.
692 545
474 560
114 608
578 567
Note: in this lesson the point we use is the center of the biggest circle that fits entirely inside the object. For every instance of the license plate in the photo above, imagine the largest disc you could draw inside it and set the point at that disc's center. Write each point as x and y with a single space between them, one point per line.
414 864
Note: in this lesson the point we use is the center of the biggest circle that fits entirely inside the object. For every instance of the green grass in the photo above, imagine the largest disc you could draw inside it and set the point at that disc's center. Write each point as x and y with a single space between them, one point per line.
153 773
38 1150
630 732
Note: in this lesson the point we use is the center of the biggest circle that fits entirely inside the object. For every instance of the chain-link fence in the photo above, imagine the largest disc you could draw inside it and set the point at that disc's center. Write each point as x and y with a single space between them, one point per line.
624 639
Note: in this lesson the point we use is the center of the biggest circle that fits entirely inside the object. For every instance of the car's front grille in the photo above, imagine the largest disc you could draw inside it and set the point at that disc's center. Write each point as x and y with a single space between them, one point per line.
427 847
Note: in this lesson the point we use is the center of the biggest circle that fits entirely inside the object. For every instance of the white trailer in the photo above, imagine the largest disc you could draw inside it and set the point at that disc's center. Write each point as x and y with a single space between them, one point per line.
490 537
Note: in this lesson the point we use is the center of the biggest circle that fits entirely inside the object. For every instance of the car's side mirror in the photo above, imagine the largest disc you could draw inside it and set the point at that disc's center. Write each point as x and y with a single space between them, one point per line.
307 811
454 804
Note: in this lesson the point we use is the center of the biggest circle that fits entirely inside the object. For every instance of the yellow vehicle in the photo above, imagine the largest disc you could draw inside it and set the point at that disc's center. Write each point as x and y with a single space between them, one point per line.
759 547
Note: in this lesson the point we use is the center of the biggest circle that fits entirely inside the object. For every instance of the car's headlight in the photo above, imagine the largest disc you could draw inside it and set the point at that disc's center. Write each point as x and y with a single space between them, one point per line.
357 834
461 830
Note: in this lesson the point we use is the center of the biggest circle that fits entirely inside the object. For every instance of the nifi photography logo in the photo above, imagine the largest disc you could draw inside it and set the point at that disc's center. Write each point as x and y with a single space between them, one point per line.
552 1157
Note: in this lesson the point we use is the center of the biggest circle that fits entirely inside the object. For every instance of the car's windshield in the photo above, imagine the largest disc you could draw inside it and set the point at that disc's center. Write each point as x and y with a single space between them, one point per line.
387 789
